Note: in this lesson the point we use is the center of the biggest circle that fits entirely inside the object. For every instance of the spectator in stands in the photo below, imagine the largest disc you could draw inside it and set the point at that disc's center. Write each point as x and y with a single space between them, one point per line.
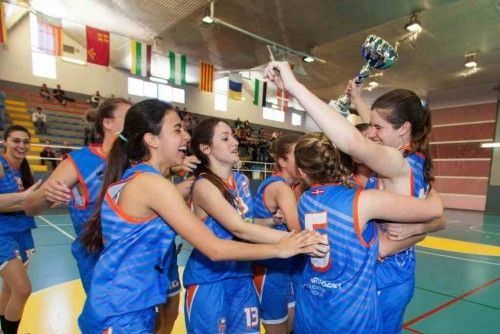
95 100
89 129
64 150
60 96
48 152
39 120
2 111
45 93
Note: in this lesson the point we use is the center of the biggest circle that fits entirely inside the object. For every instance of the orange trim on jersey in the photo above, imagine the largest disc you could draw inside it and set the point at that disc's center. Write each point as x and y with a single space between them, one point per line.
357 180
120 212
412 183
355 220
10 163
420 154
86 197
190 293
259 278
107 331
406 148
231 183
97 150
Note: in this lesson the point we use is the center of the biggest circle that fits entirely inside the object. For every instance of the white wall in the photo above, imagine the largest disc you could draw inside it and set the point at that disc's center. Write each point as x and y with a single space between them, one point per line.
16 66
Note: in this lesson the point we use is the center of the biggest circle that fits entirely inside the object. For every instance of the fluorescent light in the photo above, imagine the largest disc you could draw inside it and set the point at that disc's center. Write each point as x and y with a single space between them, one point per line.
489 145
208 19
74 61
373 84
160 80
471 64
414 27
308 59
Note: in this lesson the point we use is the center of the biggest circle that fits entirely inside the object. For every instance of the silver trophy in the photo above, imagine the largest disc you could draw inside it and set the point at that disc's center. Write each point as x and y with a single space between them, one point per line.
378 54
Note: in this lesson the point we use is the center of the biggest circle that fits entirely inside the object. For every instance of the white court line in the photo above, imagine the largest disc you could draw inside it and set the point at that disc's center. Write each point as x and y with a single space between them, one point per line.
477 229
57 225
458 258
57 228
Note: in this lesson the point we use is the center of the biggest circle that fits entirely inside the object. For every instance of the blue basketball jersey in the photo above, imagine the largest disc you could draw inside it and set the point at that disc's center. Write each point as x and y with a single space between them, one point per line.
89 163
131 274
400 267
337 294
260 209
199 268
11 182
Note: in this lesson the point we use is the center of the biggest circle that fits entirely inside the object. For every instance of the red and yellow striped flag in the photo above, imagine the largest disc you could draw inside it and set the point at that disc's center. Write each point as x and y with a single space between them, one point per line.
3 27
206 77
58 41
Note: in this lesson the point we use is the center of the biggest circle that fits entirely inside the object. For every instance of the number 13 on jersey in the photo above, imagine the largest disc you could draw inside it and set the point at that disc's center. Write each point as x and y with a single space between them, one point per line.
315 221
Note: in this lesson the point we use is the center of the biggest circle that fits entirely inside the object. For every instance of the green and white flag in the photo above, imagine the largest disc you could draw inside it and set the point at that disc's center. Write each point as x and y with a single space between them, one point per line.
141 58
177 68
260 92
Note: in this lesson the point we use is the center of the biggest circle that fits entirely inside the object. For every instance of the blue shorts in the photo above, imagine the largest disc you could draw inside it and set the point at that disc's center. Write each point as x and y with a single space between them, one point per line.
227 306
19 244
139 322
175 284
85 262
275 292
393 301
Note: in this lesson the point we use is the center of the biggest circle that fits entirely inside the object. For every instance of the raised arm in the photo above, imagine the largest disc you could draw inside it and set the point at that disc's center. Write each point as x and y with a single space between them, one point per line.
56 190
357 100
210 199
386 161
161 196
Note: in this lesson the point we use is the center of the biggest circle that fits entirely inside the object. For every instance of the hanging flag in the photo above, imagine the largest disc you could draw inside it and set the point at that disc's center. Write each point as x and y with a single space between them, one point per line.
3 26
49 34
141 58
235 86
177 68
206 77
282 97
260 91
97 46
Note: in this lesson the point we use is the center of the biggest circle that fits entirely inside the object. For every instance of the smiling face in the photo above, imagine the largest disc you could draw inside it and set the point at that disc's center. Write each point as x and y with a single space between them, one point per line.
17 144
224 147
382 131
172 140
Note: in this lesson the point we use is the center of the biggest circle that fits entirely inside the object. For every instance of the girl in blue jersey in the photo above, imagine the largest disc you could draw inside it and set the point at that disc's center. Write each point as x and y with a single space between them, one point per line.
220 295
77 182
337 294
133 225
272 278
16 240
404 166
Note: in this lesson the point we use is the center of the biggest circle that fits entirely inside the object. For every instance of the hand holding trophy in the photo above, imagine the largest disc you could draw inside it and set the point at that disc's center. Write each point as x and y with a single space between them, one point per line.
379 54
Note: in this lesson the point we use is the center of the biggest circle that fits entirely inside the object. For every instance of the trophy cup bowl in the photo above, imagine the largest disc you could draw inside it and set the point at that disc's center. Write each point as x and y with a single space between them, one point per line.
379 54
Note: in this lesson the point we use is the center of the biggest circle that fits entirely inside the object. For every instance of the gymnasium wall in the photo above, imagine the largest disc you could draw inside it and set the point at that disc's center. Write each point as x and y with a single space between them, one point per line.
16 66
462 120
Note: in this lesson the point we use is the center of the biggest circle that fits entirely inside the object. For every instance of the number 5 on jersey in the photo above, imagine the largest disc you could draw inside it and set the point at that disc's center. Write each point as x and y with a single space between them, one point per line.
313 222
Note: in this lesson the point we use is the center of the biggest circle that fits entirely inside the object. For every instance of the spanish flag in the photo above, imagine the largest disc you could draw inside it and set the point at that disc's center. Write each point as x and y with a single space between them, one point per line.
3 27
206 77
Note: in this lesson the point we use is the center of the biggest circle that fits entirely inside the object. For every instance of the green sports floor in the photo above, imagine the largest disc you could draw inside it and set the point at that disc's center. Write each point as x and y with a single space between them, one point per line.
458 278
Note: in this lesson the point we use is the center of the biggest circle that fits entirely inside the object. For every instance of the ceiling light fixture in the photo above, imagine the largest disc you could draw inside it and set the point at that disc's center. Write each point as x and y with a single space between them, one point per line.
308 59
470 60
209 14
414 25
216 20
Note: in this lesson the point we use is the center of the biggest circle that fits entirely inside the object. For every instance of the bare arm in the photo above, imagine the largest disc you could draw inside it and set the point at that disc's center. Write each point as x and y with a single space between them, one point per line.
396 231
386 161
390 247
355 92
376 204
285 200
56 190
210 199
161 196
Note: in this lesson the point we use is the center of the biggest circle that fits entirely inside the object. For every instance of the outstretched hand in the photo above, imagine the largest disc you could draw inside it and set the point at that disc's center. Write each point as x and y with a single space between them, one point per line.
305 242
31 189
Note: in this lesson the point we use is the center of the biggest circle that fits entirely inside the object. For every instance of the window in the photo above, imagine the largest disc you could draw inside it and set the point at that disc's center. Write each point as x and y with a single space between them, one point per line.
178 95
135 86
165 93
220 94
44 65
296 119
273 114
150 89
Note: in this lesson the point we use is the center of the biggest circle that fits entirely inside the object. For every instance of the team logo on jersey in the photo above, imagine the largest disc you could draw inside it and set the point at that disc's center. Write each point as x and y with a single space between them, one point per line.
19 183
221 326
317 192
100 175
244 187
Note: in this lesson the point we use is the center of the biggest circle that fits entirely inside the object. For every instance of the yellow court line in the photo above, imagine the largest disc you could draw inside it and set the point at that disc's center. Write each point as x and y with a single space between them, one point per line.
459 246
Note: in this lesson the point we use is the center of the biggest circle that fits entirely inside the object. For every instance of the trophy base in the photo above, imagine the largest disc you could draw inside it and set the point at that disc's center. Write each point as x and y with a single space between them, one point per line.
340 107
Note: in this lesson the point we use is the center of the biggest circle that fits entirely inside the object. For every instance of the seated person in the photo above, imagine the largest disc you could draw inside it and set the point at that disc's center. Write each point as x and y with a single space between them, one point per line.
48 152
44 92
60 96
95 100
39 120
